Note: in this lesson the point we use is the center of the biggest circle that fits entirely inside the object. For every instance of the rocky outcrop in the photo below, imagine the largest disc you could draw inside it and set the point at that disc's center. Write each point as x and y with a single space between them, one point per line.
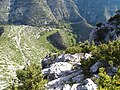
108 31
65 73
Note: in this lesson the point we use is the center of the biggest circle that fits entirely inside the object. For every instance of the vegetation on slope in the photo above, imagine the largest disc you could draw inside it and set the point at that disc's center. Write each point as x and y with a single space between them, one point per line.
23 44
31 78
106 53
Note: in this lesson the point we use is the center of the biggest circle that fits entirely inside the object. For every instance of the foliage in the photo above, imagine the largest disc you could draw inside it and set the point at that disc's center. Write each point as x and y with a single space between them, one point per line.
85 47
30 78
109 52
73 49
106 82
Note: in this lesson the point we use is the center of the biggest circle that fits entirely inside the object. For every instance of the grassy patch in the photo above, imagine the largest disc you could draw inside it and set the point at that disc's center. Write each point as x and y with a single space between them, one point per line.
44 42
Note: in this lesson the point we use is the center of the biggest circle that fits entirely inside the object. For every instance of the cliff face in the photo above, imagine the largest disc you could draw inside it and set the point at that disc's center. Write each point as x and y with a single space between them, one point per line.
97 11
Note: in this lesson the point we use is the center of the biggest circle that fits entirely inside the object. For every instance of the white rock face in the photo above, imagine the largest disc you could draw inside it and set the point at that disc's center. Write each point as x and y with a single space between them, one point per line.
75 86
62 80
67 87
89 86
68 57
60 67
65 73
87 55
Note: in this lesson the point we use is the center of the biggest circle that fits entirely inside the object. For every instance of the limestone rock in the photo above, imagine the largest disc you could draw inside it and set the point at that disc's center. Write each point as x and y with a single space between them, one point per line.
75 86
88 85
78 78
95 67
60 67
66 87
61 81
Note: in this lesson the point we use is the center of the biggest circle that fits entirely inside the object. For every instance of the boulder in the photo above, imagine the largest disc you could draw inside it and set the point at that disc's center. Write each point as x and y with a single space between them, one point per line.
95 67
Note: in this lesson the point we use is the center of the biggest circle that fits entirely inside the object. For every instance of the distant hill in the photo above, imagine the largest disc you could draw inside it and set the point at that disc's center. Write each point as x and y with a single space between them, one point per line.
97 11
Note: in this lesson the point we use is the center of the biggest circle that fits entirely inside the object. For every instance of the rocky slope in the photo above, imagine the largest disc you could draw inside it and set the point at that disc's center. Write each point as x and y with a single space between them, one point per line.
108 31
81 71
97 11
35 12
65 73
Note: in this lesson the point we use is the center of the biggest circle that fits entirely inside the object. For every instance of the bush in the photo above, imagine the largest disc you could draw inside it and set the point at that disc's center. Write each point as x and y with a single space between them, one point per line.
106 82
85 47
109 52
30 78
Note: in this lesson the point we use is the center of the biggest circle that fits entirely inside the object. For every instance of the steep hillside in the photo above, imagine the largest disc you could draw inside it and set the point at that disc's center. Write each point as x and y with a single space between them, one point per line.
97 11
20 45
34 12
65 10
39 12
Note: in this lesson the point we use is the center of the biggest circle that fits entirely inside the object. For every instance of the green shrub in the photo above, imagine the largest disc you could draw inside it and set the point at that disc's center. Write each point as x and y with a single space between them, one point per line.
85 47
109 52
31 78
106 82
